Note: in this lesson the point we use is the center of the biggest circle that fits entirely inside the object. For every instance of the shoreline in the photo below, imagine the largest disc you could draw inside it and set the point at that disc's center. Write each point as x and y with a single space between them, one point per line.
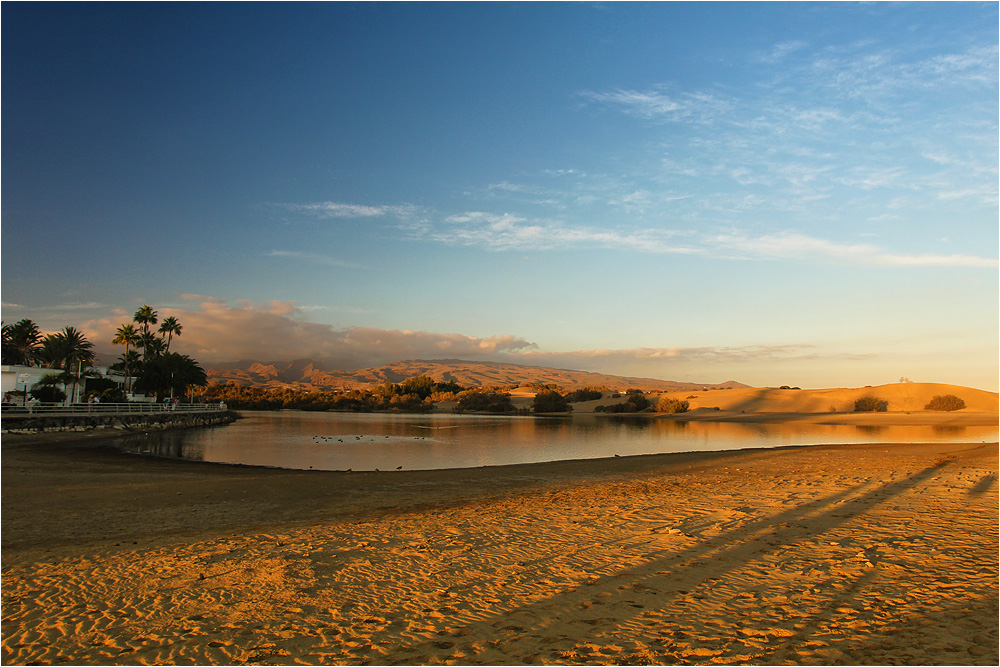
843 418
837 554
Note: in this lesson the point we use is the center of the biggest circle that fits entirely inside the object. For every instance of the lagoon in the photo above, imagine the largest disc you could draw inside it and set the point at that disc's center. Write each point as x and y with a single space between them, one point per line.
349 441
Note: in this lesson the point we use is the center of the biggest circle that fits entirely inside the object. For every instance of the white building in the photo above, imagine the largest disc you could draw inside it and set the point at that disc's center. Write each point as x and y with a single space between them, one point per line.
21 378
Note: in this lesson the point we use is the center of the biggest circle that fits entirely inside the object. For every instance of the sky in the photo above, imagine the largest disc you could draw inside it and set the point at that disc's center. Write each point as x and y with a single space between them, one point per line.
775 193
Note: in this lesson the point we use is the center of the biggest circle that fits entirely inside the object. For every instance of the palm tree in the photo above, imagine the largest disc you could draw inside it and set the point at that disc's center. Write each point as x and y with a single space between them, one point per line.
21 343
126 335
65 349
145 316
150 344
170 326
129 364
171 372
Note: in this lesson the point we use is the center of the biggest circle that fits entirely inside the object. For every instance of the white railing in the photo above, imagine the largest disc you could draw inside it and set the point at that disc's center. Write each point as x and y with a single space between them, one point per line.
43 409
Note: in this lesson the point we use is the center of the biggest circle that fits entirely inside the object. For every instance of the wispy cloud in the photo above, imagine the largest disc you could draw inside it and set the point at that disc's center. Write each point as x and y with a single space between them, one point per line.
657 104
706 355
511 232
804 248
313 258
853 138
89 305
857 118
332 209
780 51
45 310
508 231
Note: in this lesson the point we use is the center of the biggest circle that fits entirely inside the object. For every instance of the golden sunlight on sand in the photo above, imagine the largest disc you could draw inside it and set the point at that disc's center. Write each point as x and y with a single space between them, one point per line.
821 555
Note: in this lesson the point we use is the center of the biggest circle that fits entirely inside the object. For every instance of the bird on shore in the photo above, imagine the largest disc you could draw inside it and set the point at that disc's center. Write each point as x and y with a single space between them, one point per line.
399 467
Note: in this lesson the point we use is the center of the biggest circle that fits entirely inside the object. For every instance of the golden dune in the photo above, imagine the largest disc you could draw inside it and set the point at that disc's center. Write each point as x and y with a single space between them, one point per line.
901 397
905 404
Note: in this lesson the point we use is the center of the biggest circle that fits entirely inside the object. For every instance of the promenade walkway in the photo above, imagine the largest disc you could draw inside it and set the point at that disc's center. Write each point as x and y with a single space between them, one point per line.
107 409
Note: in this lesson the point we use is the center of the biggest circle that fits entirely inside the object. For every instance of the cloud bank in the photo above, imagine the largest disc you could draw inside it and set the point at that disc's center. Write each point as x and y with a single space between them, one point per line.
216 332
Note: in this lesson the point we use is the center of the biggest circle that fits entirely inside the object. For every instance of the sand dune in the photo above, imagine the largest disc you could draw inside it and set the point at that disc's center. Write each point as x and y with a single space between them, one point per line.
823 555
901 397
827 405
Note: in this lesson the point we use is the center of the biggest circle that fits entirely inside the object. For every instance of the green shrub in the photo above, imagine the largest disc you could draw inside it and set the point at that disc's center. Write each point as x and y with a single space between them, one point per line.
870 404
113 395
586 394
448 387
538 386
48 393
947 403
550 401
639 402
671 405
422 386
636 402
484 401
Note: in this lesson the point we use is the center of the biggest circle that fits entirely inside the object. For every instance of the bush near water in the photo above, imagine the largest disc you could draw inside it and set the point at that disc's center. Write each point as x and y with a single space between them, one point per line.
551 401
671 405
870 404
635 401
947 403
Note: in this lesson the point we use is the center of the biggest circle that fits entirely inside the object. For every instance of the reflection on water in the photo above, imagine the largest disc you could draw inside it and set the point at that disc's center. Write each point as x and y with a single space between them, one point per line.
873 429
949 431
338 441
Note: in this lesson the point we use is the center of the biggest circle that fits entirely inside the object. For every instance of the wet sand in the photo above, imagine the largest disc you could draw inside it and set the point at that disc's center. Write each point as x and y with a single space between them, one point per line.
862 554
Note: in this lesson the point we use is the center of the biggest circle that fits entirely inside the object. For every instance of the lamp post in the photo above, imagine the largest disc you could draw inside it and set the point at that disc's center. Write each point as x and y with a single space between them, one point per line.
76 387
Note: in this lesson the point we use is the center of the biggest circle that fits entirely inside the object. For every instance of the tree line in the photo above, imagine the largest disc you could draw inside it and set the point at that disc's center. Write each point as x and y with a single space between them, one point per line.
416 394
156 371
422 393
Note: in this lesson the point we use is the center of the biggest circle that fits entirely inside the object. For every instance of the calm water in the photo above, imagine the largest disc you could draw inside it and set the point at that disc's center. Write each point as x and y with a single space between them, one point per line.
342 441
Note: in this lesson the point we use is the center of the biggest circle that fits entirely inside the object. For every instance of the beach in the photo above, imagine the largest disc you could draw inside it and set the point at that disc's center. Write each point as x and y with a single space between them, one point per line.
859 554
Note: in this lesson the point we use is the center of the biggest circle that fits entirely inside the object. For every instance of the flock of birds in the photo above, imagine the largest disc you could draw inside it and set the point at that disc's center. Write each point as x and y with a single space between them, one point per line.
331 438
357 438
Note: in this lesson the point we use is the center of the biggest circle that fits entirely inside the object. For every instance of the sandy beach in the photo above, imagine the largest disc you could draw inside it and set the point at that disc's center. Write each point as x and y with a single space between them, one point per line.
862 554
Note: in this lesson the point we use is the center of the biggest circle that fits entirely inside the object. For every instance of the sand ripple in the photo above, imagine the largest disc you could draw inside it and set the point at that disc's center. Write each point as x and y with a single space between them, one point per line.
806 557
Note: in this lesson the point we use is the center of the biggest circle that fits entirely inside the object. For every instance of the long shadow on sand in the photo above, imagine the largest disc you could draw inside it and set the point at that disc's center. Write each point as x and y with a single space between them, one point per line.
714 557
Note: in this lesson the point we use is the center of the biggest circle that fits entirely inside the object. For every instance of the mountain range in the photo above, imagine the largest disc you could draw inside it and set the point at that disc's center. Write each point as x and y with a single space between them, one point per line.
309 375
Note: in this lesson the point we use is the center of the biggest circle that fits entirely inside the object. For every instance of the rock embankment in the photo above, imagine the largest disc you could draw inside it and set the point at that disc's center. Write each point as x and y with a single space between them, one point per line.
116 422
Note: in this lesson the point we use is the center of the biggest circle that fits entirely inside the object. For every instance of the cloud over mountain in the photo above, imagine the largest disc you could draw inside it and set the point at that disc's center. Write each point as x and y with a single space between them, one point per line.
218 332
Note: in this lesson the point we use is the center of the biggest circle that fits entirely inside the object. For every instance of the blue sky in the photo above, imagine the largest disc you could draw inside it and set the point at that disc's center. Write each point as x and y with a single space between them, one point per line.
789 193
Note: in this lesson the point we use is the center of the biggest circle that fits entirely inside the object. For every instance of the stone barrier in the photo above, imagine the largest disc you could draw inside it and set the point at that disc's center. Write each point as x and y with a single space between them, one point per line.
118 422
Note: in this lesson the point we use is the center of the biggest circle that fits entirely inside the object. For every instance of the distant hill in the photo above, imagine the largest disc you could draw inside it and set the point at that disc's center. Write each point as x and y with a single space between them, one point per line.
309 375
